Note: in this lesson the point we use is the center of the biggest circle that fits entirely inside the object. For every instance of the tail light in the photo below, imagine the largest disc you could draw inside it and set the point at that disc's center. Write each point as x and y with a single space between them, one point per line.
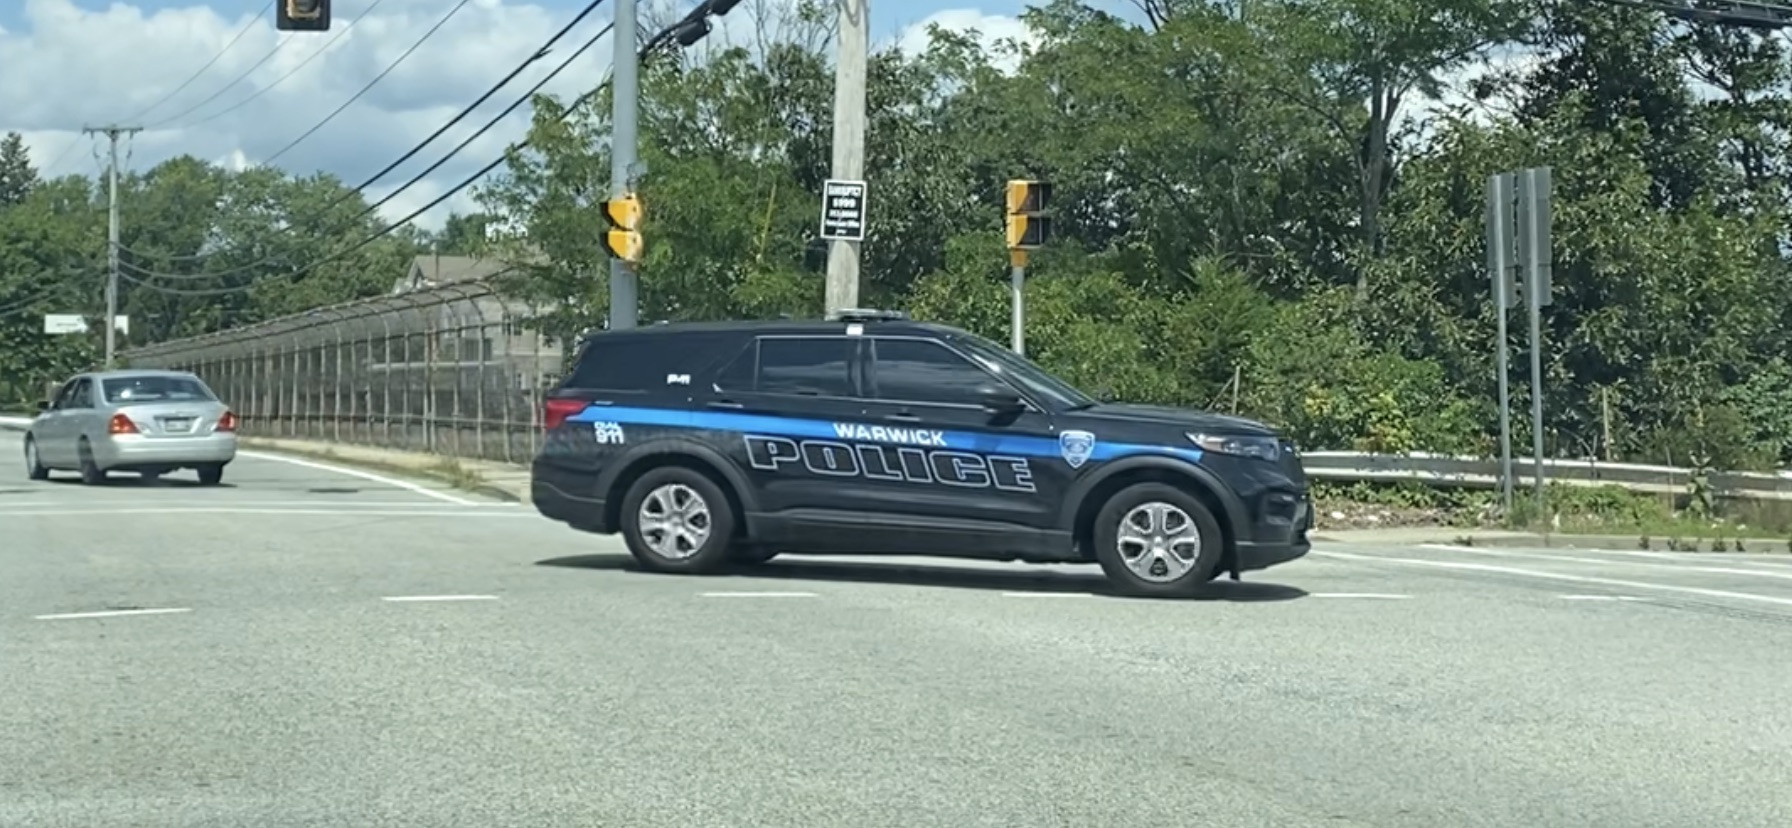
227 422
121 424
555 411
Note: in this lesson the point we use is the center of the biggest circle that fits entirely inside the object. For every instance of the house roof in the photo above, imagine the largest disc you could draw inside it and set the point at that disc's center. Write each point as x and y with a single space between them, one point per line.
432 271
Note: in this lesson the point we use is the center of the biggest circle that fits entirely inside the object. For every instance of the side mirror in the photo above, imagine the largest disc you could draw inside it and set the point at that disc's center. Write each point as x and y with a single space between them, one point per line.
1002 403
43 405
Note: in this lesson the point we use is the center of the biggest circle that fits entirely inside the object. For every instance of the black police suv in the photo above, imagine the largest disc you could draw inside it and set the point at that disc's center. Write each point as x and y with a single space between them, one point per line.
713 444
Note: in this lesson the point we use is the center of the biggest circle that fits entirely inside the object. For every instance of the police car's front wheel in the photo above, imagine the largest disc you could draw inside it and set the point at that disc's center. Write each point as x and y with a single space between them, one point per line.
1157 540
676 520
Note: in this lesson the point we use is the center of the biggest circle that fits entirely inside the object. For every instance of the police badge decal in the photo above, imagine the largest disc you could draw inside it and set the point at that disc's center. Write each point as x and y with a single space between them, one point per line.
1076 446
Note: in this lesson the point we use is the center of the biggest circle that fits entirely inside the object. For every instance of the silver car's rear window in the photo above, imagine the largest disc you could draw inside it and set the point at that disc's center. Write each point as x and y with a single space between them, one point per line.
151 389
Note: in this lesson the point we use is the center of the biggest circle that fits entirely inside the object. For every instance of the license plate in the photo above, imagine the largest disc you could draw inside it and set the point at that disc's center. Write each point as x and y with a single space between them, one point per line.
178 424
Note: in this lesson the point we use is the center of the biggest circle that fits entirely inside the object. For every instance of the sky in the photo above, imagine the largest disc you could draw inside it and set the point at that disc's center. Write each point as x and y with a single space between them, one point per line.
69 63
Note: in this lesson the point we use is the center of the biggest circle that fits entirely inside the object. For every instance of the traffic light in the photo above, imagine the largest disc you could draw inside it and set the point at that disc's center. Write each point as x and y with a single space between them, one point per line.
1028 225
302 15
624 237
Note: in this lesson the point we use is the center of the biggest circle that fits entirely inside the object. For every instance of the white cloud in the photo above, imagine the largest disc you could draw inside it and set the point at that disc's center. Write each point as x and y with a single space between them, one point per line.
94 66
993 30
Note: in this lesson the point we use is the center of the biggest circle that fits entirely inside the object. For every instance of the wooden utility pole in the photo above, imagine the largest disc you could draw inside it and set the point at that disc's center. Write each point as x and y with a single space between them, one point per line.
112 133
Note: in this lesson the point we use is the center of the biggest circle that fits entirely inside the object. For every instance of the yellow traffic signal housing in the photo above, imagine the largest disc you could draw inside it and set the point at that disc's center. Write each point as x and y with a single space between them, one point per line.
1028 232
1026 196
1028 226
624 237
302 15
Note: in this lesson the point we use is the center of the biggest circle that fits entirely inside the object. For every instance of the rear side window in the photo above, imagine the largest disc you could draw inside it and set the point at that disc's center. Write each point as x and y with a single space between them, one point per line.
812 366
643 363
154 389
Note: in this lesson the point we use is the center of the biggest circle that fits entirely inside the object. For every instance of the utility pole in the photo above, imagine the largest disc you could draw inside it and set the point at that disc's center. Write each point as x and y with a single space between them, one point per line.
112 133
849 141
625 90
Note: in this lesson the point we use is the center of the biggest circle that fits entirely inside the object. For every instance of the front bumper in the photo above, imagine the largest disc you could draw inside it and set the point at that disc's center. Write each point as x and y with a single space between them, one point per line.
1278 542
128 451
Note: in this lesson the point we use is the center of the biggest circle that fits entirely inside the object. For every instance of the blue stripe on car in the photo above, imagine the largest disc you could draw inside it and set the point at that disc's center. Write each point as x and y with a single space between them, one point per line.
807 428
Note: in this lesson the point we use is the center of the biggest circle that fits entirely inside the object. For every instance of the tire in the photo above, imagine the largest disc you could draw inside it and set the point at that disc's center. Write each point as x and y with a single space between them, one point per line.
706 506
34 465
1177 569
91 473
211 474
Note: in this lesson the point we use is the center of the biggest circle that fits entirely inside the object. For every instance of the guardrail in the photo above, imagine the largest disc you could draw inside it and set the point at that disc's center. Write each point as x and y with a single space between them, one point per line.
1444 471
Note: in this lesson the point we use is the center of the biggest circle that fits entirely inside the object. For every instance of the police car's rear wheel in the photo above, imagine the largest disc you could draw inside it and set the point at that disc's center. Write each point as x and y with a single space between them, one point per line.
676 520
1156 540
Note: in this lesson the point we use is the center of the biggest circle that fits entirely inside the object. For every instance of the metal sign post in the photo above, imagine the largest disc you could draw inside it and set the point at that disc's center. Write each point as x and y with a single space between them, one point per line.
1505 296
1534 249
1518 242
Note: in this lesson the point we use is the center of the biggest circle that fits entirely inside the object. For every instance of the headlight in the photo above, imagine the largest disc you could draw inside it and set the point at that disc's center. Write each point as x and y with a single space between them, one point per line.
1262 448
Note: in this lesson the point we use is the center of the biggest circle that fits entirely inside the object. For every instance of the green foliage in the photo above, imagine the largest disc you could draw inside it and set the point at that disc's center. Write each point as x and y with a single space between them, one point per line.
1251 213
17 176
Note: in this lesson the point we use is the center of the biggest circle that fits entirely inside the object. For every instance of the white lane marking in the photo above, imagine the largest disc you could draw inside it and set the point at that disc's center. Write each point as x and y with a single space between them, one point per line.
66 616
1019 594
760 595
225 510
1603 598
1558 576
1387 596
1551 556
345 503
401 599
377 478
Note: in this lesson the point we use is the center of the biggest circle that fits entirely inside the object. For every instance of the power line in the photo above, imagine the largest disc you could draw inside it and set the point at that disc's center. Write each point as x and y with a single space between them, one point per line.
575 106
440 131
683 32
48 292
254 18
75 140
370 84
226 87
340 33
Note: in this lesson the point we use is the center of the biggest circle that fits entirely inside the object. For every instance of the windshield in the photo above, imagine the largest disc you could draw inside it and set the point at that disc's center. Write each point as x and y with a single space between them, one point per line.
1023 372
152 388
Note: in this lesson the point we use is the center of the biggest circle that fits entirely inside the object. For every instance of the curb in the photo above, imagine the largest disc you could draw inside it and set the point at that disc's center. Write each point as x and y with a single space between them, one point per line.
1621 543
481 488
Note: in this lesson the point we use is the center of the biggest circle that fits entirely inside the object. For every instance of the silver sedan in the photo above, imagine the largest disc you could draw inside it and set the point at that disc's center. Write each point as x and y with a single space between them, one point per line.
147 422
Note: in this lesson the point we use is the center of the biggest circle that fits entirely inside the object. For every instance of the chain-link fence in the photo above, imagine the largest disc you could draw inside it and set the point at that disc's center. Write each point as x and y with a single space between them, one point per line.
454 370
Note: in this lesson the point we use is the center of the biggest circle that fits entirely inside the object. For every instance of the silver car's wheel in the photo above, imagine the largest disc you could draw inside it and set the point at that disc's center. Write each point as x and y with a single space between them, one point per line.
675 521
34 466
1159 542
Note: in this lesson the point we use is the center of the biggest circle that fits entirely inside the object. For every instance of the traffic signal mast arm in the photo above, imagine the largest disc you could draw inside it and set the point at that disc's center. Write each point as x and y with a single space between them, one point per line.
1748 14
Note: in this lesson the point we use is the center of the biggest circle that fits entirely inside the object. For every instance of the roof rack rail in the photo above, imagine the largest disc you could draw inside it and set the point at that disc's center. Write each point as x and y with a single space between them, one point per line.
866 315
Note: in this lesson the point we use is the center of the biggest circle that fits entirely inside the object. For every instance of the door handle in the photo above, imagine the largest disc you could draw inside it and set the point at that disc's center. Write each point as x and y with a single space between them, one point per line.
726 404
903 417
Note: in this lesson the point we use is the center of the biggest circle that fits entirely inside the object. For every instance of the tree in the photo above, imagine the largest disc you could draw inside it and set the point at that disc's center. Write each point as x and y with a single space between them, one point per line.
17 175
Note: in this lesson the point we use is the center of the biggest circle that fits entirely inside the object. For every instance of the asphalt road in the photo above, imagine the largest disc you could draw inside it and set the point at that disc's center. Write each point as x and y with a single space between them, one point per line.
267 677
